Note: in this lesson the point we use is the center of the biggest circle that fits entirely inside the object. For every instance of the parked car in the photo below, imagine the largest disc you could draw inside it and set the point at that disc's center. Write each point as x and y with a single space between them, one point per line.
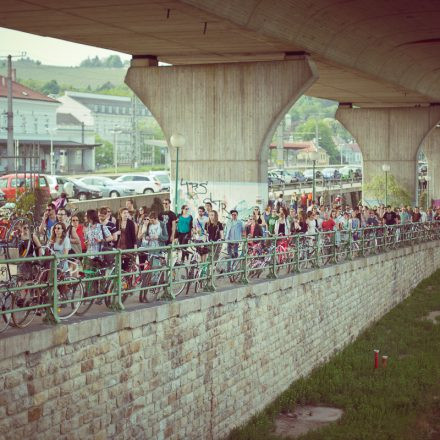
81 190
141 183
331 174
297 177
272 179
10 184
108 187
347 173
308 175
55 188
163 177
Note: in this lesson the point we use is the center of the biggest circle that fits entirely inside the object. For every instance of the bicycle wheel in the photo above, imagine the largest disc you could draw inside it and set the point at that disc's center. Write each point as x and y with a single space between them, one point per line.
27 296
72 291
148 288
5 304
179 274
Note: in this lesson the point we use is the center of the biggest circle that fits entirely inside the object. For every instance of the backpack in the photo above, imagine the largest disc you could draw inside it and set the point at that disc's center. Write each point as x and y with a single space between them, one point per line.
109 259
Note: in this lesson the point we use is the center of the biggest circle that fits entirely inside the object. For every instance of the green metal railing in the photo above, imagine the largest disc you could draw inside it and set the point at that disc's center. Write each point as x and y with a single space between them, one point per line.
46 289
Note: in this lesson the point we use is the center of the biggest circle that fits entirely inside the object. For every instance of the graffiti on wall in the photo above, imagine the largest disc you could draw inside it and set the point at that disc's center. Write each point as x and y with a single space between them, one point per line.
224 196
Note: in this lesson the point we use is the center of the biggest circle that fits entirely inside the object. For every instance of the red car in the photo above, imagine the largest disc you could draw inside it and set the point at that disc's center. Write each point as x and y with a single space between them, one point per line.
11 182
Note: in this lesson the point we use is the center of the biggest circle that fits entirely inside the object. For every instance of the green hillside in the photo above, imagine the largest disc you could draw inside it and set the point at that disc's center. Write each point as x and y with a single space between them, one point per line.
78 77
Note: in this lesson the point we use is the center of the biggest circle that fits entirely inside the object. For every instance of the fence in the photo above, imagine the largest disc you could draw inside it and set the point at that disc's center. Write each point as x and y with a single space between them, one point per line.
59 287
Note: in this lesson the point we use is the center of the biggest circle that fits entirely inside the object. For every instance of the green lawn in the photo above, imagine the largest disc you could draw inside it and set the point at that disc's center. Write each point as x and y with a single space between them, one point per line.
80 77
401 402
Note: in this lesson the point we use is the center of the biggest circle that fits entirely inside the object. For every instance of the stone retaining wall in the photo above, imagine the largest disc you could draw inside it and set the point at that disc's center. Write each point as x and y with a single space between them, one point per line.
195 368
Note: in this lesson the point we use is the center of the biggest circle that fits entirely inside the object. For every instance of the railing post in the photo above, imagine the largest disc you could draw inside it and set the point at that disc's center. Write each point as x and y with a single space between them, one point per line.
211 286
52 316
317 248
350 244
245 275
117 305
169 288
272 270
335 250
363 241
297 252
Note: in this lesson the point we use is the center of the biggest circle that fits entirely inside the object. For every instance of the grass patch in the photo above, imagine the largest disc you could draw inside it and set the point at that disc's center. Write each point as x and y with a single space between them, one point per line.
399 402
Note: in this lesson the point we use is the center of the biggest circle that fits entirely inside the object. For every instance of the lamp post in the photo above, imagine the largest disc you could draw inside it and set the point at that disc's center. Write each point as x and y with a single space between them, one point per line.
314 157
177 141
51 132
386 169
115 148
428 201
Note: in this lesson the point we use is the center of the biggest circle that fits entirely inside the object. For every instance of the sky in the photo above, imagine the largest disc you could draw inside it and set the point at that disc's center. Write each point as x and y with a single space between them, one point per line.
49 50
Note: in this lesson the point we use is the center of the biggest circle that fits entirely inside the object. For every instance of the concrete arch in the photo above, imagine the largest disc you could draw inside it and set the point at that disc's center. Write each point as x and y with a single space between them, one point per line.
390 135
227 113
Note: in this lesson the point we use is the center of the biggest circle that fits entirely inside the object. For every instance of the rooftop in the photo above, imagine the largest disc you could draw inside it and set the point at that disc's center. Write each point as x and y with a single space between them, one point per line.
20 91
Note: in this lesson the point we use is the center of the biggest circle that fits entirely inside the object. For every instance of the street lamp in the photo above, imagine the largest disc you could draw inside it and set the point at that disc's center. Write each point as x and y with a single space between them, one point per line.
428 200
177 141
314 156
115 148
51 132
386 168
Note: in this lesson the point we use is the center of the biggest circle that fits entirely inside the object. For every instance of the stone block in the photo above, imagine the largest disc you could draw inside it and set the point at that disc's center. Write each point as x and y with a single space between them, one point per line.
188 305
34 414
79 331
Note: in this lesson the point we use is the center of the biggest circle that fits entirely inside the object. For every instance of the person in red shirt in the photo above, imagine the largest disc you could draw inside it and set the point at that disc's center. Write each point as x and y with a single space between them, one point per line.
329 223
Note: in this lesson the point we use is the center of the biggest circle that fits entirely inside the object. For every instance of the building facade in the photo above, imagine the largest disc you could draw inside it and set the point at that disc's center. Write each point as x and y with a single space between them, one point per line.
116 119
36 134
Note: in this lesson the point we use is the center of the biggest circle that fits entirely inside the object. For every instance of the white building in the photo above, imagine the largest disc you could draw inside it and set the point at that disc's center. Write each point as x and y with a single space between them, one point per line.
113 118
36 131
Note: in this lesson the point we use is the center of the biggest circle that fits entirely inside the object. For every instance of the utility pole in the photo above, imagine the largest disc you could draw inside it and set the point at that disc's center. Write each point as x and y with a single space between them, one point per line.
10 151
10 144
134 159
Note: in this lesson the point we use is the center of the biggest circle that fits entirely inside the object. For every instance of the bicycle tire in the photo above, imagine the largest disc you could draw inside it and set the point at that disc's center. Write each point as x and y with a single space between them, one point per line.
85 304
6 304
75 289
178 273
25 297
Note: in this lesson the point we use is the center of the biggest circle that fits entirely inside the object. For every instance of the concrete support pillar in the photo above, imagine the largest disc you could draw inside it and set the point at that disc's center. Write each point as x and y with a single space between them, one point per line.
227 114
392 136
431 148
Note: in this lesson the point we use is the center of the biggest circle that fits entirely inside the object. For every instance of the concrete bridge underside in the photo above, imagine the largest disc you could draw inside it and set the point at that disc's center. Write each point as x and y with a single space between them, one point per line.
369 55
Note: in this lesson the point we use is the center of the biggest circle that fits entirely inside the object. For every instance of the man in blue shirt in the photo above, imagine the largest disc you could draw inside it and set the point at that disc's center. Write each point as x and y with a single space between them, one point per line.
233 232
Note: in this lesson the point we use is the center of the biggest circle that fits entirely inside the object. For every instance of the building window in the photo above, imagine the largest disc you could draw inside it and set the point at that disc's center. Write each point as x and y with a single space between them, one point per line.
103 108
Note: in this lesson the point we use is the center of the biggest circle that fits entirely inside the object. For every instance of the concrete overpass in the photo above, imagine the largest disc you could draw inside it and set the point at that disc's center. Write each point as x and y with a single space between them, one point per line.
239 65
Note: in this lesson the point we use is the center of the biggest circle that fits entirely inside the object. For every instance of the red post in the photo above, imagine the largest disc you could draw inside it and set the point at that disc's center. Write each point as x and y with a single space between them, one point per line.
384 361
376 359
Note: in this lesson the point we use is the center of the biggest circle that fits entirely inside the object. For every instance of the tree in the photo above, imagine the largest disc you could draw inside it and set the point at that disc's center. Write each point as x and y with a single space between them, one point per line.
113 61
51 88
375 191
308 131
103 153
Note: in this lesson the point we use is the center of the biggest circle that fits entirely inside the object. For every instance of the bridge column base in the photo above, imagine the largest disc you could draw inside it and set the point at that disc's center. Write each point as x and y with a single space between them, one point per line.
389 136
227 114
431 148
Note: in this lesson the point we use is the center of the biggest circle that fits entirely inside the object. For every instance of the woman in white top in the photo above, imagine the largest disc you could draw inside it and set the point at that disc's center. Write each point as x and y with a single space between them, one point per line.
282 226
311 223
60 243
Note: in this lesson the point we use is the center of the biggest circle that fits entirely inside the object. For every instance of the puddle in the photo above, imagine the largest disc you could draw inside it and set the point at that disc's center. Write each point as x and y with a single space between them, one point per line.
305 419
432 316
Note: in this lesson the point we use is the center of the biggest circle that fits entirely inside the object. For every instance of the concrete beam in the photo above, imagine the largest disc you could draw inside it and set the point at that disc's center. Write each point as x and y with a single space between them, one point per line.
392 136
227 114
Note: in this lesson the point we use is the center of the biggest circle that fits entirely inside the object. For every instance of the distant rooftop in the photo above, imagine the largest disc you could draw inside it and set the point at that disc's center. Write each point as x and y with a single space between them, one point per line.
97 96
67 119
20 91
304 146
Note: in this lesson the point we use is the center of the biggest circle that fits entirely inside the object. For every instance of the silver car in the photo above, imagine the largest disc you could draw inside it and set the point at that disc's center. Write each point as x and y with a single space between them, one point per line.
109 187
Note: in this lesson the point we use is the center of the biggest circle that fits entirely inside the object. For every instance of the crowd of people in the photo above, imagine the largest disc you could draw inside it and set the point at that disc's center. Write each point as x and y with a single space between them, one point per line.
131 228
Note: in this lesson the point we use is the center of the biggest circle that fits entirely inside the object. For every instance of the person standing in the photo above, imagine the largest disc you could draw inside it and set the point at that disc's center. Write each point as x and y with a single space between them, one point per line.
170 219
49 220
233 232
126 235
75 233
184 228
199 224
60 243
215 231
